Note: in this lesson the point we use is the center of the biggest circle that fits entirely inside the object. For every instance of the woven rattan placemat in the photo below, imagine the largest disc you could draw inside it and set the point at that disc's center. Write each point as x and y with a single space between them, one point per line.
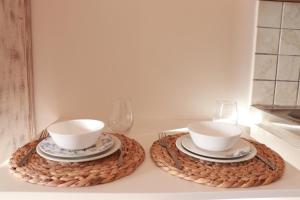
249 173
50 173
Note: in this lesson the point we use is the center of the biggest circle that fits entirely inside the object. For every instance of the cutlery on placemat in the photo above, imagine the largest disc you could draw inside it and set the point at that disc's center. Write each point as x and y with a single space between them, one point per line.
120 159
26 157
270 164
164 143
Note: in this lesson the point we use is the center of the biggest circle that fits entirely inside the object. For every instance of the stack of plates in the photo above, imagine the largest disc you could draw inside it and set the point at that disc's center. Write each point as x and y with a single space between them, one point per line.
105 146
241 151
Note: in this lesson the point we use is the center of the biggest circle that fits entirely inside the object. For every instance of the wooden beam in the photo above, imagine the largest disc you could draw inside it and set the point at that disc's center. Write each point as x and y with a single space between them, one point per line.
16 75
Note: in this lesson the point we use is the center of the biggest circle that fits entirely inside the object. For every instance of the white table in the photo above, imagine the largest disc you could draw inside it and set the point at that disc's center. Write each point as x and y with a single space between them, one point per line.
148 181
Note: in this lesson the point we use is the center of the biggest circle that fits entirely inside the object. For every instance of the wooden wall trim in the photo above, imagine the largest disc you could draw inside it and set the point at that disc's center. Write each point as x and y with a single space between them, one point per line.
16 76
29 59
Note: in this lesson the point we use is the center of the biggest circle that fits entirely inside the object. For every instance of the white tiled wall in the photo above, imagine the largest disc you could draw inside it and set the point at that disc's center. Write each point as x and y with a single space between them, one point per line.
263 92
267 40
288 68
285 93
269 14
265 67
277 58
291 17
290 42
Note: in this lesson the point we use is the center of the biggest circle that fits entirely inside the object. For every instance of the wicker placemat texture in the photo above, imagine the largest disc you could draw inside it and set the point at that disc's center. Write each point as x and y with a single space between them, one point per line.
228 175
50 173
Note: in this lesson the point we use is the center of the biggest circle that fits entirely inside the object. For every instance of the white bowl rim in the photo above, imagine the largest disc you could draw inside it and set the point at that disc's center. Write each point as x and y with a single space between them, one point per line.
239 130
102 124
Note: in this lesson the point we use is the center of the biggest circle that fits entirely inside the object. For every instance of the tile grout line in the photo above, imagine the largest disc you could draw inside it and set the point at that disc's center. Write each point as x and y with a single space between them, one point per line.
274 54
278 51
291 29
284 81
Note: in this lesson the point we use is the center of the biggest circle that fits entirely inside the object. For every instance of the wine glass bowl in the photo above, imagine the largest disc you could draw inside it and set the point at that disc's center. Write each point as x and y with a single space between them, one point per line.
226 111
121 117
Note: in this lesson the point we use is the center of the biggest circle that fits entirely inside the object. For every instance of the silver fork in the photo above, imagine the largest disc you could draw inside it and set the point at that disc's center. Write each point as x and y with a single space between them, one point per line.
164 143
120 159
26 157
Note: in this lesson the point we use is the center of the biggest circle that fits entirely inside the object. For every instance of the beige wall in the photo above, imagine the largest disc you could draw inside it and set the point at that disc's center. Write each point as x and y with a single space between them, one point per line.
172 57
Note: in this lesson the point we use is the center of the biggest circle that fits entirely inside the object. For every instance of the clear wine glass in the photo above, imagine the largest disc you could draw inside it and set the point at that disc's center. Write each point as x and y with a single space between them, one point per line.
121 117
226 111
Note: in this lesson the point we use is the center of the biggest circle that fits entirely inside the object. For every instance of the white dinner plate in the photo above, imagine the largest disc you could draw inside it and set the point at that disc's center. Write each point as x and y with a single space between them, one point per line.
114 148
249 156
240 148
49 147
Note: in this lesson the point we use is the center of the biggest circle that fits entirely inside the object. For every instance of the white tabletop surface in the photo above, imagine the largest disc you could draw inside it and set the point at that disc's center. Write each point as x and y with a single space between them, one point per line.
148 181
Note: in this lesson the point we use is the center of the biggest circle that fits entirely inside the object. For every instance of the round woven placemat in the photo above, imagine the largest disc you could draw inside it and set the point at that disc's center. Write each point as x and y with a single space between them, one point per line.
228 175
50 173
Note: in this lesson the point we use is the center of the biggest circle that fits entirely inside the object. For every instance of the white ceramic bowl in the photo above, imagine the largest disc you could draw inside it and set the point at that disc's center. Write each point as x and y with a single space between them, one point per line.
214 136
76 134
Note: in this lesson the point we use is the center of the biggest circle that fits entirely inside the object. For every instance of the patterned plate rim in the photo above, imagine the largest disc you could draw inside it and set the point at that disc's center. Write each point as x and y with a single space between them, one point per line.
114 148
85 153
